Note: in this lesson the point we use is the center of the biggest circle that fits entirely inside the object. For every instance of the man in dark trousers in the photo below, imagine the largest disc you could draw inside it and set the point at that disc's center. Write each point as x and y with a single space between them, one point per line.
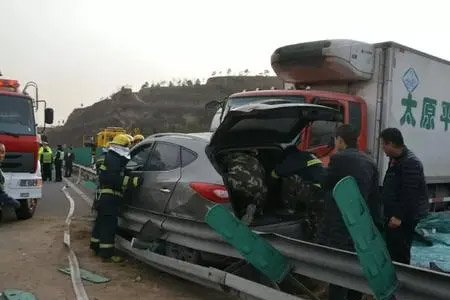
69 158
404 195
348 161
59 157
113 183
46 162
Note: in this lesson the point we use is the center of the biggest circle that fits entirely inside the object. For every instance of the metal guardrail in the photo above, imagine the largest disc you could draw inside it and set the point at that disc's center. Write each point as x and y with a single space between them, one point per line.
312 260
206 276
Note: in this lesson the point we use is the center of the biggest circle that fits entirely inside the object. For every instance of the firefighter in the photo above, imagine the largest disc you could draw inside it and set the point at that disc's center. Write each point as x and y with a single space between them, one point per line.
112 185
59 157
46 158
137 139
5 199
301 174
300 167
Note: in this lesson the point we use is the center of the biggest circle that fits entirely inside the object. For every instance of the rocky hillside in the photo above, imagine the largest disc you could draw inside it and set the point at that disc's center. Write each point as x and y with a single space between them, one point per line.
155 109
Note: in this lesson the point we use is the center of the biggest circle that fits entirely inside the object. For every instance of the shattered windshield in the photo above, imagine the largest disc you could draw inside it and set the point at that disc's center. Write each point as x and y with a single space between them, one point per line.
16 115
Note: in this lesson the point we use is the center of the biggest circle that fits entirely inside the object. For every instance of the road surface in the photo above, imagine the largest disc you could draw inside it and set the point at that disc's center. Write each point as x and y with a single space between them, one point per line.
31 251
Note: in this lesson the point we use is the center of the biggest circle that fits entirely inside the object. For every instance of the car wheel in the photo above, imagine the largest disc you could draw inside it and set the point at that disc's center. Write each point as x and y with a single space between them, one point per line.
26 209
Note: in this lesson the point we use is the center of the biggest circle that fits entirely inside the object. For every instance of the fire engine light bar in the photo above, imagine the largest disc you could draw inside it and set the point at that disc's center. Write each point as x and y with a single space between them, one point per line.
9 83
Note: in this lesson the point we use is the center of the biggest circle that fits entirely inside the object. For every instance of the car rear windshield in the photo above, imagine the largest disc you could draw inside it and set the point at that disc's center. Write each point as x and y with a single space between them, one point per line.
16 115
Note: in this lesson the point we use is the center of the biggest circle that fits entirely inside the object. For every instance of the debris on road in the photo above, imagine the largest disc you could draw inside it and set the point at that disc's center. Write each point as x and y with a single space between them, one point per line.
12 294
87 275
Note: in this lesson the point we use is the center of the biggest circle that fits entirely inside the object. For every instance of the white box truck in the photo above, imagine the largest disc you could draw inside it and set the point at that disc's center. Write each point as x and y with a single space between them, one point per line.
375 86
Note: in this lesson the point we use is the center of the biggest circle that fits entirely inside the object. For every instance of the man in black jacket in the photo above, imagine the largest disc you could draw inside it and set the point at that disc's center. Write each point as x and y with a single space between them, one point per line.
347 162
69 158
405 195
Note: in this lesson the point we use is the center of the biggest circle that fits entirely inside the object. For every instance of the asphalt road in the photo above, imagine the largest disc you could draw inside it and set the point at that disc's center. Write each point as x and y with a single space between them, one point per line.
54 203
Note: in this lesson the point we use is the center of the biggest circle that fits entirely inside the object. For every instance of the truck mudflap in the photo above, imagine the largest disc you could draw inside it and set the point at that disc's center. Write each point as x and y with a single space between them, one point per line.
369 244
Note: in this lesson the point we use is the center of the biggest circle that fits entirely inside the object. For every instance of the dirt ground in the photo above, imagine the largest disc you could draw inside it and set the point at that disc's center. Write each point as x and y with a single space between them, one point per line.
31 252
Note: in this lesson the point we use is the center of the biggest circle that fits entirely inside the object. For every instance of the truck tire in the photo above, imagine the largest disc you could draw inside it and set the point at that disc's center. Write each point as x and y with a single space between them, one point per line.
26 209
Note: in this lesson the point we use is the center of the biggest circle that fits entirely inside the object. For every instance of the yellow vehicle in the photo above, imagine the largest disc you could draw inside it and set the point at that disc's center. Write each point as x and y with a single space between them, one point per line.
107 135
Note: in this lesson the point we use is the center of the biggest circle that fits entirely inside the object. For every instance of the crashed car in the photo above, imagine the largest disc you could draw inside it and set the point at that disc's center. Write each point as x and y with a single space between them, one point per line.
186 174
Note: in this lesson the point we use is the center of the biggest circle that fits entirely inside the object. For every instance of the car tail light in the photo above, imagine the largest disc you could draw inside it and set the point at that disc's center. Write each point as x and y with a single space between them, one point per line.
213 192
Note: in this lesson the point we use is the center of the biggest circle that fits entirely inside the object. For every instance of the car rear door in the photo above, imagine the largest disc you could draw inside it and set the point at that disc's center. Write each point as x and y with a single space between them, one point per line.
161 174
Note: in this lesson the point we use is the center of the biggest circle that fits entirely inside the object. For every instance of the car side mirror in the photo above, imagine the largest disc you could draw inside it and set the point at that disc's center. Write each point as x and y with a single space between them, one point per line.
48 116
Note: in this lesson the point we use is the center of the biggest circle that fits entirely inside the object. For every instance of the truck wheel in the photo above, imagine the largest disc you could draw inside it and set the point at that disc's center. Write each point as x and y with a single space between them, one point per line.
26 209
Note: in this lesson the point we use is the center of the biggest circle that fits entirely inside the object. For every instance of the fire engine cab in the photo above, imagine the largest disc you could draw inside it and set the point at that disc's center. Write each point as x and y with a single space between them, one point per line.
18 132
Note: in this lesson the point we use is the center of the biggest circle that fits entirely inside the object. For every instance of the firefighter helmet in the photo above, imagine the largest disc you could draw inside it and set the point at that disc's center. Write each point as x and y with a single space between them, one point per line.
121 140
138 138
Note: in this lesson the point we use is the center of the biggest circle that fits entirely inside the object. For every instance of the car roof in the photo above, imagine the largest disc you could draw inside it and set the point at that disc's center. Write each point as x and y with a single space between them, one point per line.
194 141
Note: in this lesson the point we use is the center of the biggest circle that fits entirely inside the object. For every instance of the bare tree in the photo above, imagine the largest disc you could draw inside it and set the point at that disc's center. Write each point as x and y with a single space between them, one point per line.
189 83
214 73
198 82
229 71
170 83
266 72
246 71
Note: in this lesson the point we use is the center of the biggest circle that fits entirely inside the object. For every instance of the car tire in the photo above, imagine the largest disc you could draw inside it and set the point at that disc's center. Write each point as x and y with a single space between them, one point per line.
26 209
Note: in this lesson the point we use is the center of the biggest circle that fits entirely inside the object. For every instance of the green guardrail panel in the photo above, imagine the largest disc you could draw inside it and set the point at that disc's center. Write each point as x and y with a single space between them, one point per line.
87 275
83 155
257 251
369 244
12 294
91 185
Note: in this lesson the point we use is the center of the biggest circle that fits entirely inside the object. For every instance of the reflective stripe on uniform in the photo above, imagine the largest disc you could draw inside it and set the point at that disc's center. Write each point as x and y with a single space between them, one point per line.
135 181
125 181
317 185
106 246
313 162
103 167
274 174
111 192
94 240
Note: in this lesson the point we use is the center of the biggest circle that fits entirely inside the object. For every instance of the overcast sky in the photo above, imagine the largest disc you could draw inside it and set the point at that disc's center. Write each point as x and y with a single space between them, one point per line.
81 50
